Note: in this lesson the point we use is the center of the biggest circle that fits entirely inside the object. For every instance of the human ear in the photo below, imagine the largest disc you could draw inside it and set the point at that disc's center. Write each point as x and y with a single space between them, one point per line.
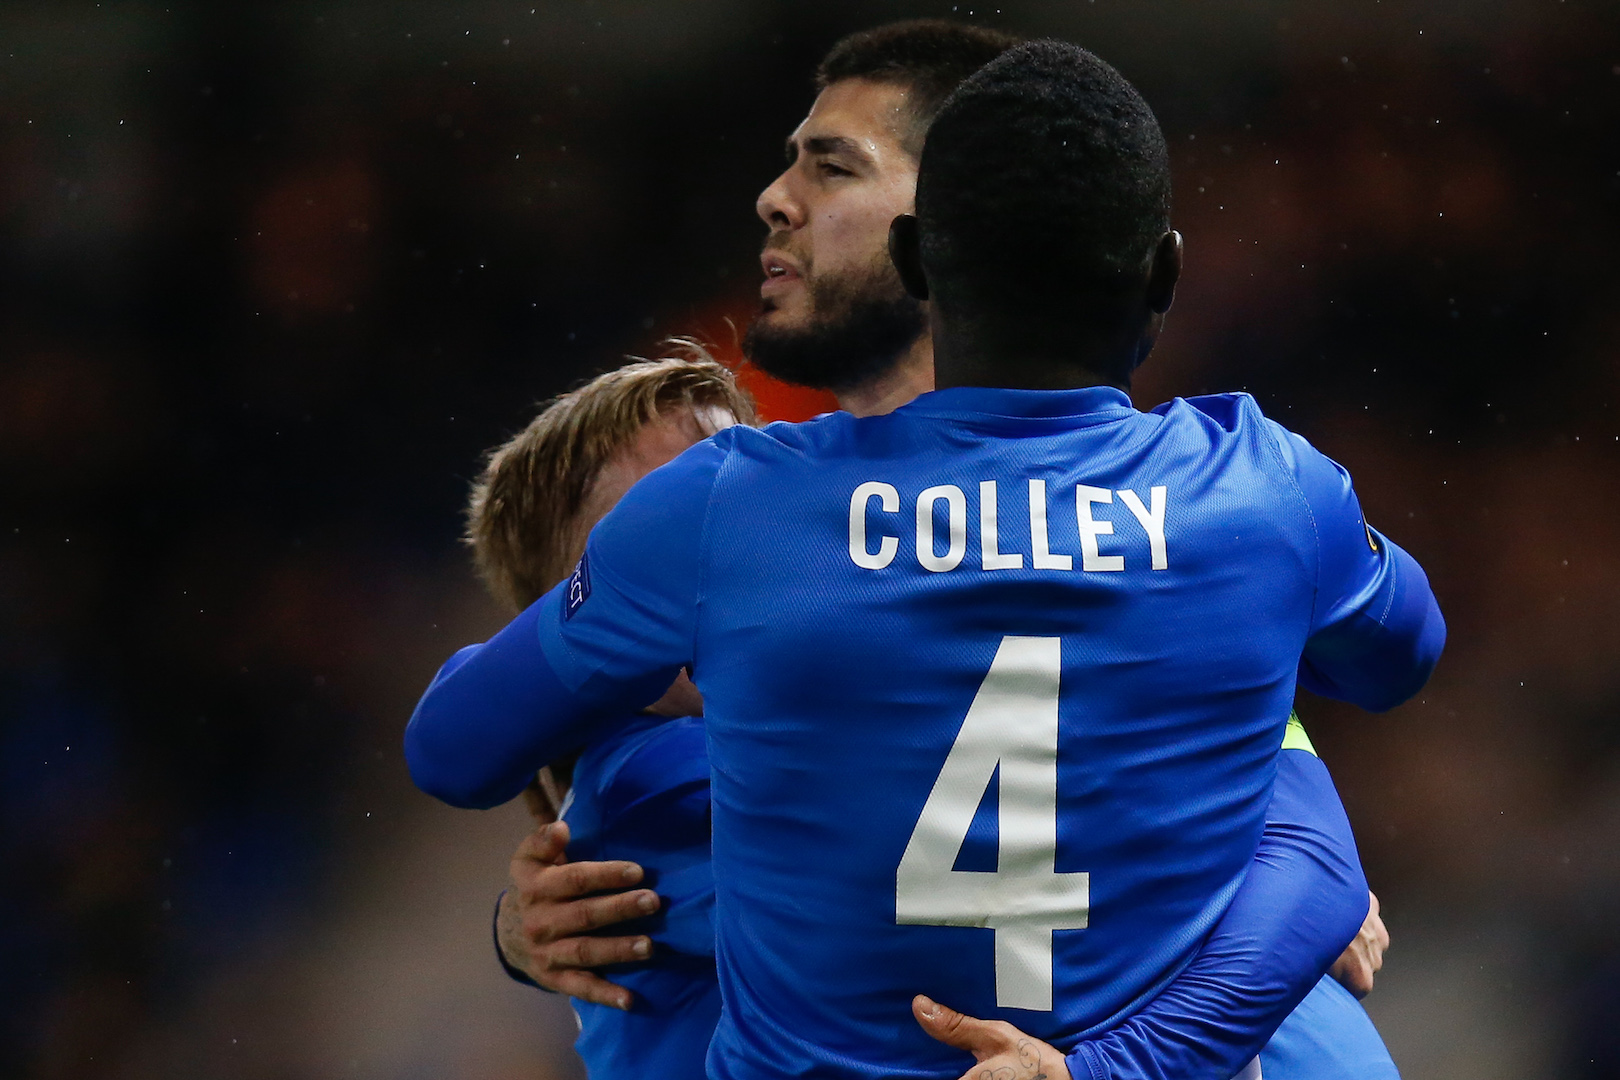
1162 277
905 251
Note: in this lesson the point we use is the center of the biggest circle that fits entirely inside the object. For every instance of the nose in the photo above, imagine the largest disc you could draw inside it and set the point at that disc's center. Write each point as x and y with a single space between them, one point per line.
778 207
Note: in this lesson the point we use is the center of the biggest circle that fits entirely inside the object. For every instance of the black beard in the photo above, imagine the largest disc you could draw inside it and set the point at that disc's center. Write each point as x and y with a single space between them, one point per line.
858 331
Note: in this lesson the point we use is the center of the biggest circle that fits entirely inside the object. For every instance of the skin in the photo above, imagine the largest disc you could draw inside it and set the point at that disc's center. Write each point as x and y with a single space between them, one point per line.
843 200
970 351
1001 1051
849 175
1364 958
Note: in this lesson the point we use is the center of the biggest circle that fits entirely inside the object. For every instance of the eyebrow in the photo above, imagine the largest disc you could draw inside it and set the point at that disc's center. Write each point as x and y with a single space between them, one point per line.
825 144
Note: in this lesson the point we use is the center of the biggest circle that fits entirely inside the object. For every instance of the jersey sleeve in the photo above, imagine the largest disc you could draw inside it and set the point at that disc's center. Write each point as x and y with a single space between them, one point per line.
607 641
1302 901
1376 630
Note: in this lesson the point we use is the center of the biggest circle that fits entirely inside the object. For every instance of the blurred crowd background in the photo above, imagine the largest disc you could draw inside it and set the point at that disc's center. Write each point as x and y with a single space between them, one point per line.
273 274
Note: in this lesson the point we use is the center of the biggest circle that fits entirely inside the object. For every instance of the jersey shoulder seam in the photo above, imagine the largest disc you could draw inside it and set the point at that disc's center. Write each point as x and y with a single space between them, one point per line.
1270 429
703 547
1394 569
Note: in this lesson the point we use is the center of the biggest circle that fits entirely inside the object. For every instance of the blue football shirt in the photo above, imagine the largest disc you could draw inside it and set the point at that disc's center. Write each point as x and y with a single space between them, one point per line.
1328 1037
642 794
1043 608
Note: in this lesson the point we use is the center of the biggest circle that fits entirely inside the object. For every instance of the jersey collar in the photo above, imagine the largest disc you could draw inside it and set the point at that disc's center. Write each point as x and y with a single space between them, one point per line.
1082 407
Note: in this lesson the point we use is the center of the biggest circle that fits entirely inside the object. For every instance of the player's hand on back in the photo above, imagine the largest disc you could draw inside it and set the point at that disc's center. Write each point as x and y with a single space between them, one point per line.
1001 1050
1365 956
551 906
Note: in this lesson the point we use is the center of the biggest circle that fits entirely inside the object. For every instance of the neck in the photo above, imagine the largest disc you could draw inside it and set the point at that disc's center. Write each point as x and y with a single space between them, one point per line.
968 356
912 375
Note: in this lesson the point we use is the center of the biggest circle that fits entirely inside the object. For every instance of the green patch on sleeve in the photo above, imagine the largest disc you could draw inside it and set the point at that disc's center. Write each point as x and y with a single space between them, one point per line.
1294 737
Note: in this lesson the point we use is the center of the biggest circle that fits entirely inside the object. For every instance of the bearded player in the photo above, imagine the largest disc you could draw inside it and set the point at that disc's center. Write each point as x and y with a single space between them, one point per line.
799 271
834 316
642 791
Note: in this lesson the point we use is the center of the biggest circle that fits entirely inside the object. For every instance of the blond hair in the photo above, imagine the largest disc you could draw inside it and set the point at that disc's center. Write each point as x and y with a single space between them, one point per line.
521 515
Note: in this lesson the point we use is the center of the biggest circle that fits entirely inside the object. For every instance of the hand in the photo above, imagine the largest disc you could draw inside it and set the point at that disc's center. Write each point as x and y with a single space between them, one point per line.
548 910
1365 956
1002 1051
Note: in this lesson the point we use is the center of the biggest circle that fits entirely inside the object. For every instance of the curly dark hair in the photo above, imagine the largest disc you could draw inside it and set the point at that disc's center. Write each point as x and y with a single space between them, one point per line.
1045 180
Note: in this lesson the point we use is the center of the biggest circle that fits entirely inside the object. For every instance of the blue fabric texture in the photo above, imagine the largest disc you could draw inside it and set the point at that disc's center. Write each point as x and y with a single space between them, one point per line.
642 794
837 593
1328 1037
1302 901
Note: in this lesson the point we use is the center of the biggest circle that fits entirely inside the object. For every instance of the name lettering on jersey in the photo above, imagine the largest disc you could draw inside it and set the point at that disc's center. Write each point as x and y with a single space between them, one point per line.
941 529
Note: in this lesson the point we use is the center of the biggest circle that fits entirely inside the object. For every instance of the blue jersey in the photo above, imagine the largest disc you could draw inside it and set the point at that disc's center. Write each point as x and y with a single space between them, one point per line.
1042 616
642 794
1328 1037
1301 901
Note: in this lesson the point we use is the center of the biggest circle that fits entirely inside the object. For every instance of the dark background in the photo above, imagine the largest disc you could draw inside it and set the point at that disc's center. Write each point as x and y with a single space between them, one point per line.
273 275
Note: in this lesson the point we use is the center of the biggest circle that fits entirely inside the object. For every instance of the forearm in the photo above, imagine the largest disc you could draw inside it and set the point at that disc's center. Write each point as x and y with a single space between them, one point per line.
1303 899
1381 654
483 728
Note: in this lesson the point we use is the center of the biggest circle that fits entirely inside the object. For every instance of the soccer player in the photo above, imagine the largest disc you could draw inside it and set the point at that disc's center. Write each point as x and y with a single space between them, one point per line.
836 316
642 792
1093 684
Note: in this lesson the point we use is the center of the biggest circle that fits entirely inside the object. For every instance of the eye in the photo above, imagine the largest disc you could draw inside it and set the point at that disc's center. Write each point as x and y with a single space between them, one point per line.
827 168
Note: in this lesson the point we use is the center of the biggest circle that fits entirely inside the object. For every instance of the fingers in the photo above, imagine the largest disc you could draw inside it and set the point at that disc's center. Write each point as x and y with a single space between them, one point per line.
572 880
1356 967
1377 942
588 987
1353 974
582 916
981 1038
551 883
547 844
1375 922
588 952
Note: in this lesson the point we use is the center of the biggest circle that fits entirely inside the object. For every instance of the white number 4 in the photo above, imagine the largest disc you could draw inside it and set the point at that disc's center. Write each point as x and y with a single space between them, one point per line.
1013 723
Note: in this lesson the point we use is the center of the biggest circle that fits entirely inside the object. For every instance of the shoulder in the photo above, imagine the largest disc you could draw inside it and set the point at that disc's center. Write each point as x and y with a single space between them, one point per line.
1230 413
805 437
767 455
1239 415
673 496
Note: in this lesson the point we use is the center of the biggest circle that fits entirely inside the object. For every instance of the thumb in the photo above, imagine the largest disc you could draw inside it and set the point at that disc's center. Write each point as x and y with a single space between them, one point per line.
547 845
981 1038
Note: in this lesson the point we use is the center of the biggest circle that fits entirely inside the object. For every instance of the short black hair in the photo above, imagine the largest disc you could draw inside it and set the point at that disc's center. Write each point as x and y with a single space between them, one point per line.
1045 179
931 57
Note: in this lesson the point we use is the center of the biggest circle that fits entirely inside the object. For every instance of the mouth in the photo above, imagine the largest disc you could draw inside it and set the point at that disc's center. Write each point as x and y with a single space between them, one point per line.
781 273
